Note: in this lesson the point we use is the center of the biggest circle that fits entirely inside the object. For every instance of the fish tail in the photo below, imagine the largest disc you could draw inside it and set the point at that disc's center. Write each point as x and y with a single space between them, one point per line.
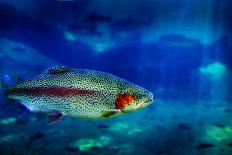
6 82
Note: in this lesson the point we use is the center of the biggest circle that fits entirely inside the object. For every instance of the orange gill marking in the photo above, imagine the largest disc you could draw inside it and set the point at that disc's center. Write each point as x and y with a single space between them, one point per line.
123 100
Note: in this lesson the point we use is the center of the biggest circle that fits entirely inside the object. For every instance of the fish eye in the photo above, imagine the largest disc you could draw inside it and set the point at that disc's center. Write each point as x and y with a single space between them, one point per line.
139 96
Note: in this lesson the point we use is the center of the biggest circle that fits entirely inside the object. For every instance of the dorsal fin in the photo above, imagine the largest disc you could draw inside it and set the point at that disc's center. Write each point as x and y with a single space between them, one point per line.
57 70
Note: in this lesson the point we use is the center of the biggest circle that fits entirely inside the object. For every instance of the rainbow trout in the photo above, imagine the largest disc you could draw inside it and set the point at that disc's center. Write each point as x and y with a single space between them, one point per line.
78 93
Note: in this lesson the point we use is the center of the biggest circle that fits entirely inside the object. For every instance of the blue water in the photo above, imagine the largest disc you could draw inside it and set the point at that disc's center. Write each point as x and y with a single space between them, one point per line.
179 50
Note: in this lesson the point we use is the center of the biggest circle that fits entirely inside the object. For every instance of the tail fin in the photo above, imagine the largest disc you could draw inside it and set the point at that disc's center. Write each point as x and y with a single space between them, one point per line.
5 85
6 81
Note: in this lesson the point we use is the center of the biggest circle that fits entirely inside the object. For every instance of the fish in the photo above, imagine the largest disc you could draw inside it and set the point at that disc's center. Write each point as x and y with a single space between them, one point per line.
78 93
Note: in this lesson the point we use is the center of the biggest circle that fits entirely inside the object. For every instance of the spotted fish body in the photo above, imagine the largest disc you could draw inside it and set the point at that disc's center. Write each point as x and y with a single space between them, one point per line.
79 93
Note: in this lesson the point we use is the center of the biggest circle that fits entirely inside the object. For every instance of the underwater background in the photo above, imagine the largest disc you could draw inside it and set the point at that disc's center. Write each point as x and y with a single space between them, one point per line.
181 50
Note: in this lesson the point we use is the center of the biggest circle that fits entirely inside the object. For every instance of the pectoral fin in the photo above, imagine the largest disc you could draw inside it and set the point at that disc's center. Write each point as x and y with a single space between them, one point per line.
54 117
110 113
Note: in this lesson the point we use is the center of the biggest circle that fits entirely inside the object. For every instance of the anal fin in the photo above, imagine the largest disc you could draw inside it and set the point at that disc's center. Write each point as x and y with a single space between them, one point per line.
22 108
54 117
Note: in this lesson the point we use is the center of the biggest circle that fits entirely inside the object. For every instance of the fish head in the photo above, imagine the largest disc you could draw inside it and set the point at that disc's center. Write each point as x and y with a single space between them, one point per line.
133 98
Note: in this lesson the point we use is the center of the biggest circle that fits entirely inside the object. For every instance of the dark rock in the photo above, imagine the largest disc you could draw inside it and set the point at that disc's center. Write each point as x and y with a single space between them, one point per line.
38 149
94 17
37 136
230 144
95 148
161 152
205 145
21 121
71 149
219 125
13 153
184 126
103 126
228 111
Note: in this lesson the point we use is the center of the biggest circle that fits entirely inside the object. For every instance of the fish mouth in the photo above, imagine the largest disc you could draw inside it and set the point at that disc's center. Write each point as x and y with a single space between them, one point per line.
145 103
149 100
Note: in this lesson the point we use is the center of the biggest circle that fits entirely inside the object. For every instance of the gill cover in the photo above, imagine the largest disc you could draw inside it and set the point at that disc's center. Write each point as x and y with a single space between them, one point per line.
125 102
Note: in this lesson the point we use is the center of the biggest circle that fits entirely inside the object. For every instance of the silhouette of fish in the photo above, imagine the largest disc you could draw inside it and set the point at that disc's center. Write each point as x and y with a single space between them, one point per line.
78 93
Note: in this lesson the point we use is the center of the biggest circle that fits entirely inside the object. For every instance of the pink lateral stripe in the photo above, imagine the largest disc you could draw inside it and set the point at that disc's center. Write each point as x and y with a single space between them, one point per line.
59 91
